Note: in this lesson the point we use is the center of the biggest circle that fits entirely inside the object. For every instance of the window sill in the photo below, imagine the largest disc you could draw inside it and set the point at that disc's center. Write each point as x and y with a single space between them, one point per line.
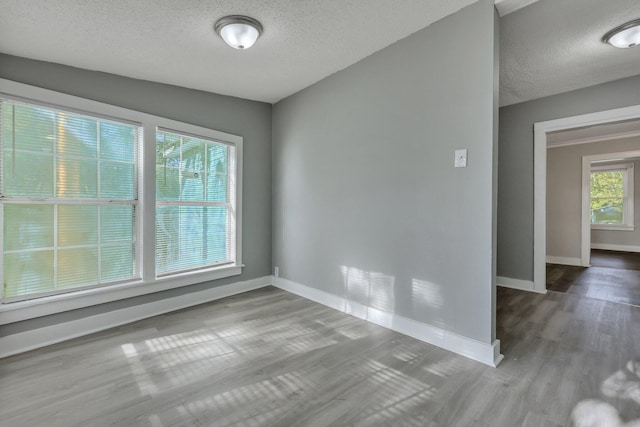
23 310
612 227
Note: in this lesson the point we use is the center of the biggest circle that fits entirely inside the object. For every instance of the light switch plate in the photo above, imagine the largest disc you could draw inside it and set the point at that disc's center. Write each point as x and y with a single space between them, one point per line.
460 158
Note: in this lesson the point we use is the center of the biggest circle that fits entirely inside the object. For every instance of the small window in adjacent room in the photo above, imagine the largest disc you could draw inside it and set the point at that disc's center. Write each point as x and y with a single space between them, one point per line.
612 197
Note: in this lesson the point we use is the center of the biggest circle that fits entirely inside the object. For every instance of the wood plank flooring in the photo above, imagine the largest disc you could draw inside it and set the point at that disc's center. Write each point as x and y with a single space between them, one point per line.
615 259
270 358
613 276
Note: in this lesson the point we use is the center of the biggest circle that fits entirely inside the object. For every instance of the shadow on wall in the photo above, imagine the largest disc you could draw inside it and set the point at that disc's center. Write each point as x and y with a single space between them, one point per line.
371 295
427 297
366 292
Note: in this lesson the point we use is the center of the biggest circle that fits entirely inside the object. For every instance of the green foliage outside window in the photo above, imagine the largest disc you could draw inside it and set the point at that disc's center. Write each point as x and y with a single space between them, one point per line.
607 197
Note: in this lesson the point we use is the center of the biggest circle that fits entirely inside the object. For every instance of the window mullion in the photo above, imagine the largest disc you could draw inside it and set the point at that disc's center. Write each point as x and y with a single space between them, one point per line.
55 246
13 141
98 184
54 152
629 195
232 185
185 203
146 201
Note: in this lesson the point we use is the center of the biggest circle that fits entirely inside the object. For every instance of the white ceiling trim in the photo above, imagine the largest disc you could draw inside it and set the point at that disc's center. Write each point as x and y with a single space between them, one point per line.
506 7
588 140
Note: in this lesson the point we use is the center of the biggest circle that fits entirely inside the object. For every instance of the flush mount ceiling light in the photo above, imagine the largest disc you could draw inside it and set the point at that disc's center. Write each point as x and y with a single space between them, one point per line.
239 32
624 36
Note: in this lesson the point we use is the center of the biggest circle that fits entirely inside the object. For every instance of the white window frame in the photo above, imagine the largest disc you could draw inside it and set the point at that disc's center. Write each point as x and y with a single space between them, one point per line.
149 282
628 197
230 204
56 202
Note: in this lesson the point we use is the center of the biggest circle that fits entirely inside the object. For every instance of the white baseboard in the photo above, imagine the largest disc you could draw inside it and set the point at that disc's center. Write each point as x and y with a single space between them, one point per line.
523 285
489 354
41 337
564 261
610 247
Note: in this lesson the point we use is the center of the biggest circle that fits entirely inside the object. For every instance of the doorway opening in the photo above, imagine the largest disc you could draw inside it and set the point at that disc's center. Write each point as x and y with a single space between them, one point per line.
607 236
544 132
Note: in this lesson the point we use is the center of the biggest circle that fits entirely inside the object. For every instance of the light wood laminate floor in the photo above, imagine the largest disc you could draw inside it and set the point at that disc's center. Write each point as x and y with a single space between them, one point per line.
269 358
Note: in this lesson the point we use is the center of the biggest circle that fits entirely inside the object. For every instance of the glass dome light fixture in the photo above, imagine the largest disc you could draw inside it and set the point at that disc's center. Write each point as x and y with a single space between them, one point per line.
238 31
625 36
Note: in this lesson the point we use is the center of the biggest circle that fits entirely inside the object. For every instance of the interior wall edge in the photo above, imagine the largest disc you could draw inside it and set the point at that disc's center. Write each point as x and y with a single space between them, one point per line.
519 284
486 353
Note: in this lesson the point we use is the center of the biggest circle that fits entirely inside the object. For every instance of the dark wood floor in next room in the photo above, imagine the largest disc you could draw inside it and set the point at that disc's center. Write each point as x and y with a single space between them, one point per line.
270 358
613 276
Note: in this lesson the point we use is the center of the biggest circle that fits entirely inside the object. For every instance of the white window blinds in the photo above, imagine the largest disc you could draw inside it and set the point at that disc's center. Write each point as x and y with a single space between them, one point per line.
195 218
69 200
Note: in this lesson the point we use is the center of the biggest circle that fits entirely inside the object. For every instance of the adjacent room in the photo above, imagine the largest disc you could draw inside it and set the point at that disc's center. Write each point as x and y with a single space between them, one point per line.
593 245
298 213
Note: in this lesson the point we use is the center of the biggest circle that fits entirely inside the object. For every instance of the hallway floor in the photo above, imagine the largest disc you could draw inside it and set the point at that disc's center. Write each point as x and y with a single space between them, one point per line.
613 276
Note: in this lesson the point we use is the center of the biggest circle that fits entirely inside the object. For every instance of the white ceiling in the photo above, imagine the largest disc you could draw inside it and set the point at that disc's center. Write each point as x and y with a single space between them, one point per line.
173 41
547 46
553 46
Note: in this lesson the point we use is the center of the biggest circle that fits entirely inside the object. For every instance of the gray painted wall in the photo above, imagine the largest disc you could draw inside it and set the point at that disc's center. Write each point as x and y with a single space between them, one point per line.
564 198
249 119
367 203
515 169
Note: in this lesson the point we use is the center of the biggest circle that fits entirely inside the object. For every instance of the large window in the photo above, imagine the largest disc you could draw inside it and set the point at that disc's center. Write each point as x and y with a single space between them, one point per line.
612 197
69 200
99 203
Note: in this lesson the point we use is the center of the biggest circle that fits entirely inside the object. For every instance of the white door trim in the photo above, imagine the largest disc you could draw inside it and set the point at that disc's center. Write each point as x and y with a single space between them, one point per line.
540 131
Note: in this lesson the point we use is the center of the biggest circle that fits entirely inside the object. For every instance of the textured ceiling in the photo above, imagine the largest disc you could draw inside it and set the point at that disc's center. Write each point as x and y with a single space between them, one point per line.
554 46
172 41
547 46
505 7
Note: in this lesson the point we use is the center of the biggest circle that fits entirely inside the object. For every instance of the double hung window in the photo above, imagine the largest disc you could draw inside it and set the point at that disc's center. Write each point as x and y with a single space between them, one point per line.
101 203
612 197
69 200
194 207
